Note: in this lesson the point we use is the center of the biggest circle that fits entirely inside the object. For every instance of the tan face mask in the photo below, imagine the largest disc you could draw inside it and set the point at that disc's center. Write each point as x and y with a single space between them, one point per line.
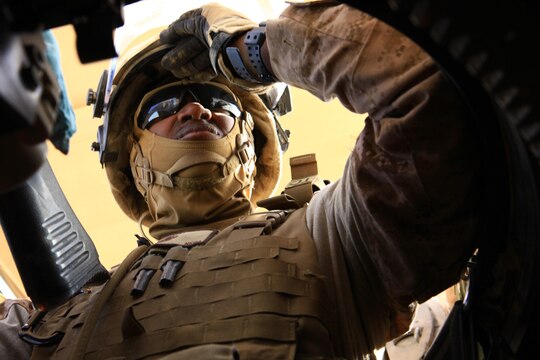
189 183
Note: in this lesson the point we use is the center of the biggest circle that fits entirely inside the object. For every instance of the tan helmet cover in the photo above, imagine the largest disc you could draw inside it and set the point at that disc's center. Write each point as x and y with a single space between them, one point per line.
141 74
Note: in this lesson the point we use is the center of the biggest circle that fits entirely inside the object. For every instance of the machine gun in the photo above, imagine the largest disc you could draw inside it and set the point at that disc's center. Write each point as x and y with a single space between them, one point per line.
53 253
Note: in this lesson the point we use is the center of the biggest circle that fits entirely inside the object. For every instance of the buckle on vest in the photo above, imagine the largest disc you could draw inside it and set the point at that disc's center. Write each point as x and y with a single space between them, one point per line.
267 221
26 335
265 225
41 341
305 179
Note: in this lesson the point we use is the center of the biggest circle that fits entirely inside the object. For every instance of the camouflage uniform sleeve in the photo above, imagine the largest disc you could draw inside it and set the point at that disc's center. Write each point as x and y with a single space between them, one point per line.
13 314
406 205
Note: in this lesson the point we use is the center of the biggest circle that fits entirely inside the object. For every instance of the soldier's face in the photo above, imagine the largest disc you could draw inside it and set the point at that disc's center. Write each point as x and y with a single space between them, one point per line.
194 122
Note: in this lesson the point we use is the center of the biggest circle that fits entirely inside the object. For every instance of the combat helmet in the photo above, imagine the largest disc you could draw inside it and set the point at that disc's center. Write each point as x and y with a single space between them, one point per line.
117 97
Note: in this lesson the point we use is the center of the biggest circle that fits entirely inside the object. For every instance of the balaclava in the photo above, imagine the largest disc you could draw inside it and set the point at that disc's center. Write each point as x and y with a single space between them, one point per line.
191 182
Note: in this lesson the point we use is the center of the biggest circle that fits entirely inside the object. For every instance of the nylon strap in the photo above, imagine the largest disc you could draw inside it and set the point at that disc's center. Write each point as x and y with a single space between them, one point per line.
232 258
155 318
247 243
237 247
279 202
177 253
253 285
258 303
222 291
219 285
261 326
48 333
239 272
149 262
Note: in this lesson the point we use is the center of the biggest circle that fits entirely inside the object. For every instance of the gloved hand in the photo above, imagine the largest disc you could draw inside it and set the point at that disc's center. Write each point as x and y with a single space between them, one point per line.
199 35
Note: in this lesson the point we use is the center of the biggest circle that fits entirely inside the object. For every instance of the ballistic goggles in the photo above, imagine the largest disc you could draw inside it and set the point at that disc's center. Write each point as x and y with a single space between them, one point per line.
169 99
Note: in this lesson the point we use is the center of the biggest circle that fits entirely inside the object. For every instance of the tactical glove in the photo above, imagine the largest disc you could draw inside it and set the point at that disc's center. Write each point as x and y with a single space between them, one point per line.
199 36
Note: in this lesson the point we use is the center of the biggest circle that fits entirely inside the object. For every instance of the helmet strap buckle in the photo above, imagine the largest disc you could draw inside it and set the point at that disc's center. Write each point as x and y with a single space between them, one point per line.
245 152
143 172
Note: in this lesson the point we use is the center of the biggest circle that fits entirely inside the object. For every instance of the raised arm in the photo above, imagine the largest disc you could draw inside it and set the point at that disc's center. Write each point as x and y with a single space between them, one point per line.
407 199
404 215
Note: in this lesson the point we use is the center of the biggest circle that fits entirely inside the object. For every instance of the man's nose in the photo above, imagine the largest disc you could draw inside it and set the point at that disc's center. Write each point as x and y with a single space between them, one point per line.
194 110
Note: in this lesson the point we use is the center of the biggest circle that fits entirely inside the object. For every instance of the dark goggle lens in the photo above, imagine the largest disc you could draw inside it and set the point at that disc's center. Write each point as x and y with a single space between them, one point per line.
162 110
170 100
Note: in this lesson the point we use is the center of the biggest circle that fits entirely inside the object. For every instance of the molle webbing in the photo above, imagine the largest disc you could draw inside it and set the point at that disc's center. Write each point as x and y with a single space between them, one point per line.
221 331
44 328
249 294
259 293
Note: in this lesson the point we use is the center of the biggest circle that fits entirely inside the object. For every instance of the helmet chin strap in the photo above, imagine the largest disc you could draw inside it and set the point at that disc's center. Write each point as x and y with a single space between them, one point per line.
245 144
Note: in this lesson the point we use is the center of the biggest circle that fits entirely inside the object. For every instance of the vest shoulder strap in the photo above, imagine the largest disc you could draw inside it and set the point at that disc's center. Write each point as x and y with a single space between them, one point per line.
304 184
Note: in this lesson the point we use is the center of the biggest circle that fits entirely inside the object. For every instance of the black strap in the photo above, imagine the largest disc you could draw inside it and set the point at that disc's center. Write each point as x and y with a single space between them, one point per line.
254 40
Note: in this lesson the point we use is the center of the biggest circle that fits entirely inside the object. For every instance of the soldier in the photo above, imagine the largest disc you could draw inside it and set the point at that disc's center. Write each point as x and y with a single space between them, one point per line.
192 147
